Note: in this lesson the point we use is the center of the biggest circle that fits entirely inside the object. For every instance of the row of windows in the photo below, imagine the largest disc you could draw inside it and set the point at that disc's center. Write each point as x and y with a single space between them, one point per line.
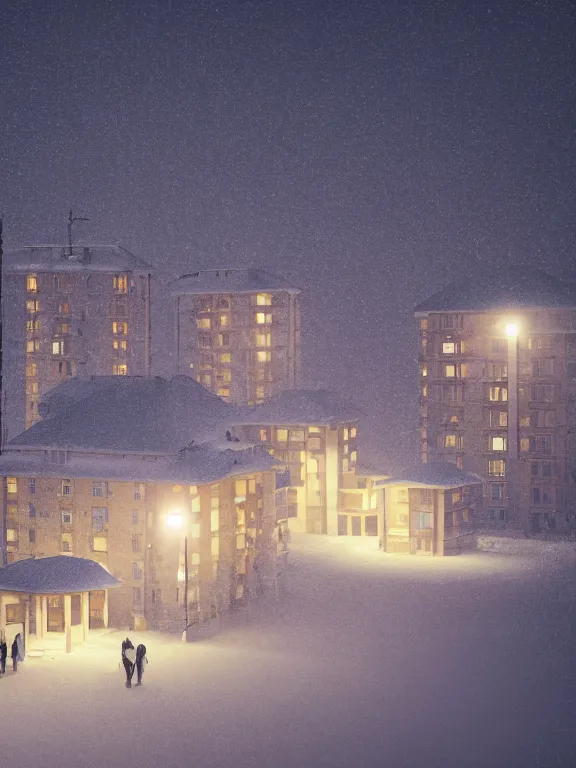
99 515
65 283
99 487
206 323
212 303
223 340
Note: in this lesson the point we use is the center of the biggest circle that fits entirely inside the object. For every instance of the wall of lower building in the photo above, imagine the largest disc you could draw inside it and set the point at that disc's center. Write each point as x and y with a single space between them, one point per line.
125 529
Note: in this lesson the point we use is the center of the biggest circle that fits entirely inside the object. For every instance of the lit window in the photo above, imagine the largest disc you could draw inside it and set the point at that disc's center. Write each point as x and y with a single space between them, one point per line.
223 339
263 339
119 328
120 283
496 468
448 348
58 348
66 542
32 325
450 441
31 370
66 517
120 370
100 544
282 435
225 376
32 346
224 320
225 357
120 345
424 370
263 299
11 485
32 305
524 443
353 458
264 357
263 435
223 392
498 394
263 318
32 284
63 328
424 323
204 322
498 418
450 371
498 443
64 308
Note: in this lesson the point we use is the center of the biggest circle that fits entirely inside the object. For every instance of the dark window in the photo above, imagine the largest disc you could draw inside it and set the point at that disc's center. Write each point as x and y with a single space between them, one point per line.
136 596
136 542
135 517
356 526
371 525
99 518
32 535
342 525
31 485
76 601
31 510
535 495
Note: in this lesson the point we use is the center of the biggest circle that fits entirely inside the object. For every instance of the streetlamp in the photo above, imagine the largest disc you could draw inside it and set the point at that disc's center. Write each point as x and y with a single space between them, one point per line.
176 521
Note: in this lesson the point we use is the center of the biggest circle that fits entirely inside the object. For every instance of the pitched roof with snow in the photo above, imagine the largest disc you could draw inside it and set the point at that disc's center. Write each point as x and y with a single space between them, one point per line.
301 407
505 289
434 474
198 465
55 576
230 281
85 257
128 414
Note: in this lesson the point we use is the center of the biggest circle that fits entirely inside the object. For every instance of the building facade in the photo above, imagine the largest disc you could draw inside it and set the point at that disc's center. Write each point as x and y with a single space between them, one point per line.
430 510
70 312
497 394
237 332
314 435
180 527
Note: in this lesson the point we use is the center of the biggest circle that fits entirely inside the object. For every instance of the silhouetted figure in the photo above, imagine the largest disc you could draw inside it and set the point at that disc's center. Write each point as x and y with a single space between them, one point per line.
128 660
141 659
15 653
3 656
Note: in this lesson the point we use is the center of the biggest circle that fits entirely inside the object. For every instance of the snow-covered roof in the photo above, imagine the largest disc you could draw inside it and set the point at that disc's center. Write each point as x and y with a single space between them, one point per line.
299 407
85 257
128 414
198 465
434 474
211 281
55 576
505 289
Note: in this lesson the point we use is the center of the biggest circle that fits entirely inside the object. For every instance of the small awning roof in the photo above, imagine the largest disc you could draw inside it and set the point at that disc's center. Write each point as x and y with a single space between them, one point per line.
55 576
433 475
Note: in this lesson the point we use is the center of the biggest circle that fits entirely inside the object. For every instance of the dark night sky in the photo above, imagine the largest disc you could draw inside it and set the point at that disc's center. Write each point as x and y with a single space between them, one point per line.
368 150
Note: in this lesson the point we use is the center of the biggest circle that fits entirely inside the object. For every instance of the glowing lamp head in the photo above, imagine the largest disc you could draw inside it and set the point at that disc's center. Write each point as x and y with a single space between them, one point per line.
512 330
174 520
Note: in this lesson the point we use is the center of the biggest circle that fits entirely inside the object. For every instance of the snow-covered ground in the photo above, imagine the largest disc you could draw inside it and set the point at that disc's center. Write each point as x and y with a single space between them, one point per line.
364 660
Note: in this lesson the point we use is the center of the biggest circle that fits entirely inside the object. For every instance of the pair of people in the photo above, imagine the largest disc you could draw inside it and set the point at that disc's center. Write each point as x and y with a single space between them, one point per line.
16 652
133 659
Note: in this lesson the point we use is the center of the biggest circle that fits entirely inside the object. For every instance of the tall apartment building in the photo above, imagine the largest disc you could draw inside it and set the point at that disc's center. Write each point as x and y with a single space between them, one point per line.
140 478
238 333
315 436
498 393
71 313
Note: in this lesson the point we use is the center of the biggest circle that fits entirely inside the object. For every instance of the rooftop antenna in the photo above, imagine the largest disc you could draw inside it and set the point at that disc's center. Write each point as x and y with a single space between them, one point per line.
71 220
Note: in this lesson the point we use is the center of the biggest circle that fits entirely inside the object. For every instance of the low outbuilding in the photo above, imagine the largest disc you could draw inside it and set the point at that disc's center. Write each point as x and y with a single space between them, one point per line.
53 600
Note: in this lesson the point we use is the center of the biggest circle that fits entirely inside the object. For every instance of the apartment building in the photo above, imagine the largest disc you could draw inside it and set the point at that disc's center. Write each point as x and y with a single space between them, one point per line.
314 435
69 312
498 393
139 477
237 332
429 510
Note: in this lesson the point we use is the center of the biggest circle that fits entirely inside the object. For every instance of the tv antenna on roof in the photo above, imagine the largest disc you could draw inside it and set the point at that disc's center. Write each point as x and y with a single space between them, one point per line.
71 220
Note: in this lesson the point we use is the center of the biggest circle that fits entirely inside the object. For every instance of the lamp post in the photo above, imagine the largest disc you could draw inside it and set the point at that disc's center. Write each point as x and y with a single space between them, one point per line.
512 452
175 521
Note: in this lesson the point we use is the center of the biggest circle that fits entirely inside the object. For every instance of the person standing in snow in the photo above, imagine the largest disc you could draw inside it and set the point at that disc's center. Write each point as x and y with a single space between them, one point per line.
128 660
141 659
3 655
15 653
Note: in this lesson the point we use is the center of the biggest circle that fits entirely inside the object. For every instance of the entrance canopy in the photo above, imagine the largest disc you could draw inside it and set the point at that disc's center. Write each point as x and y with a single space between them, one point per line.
55 576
